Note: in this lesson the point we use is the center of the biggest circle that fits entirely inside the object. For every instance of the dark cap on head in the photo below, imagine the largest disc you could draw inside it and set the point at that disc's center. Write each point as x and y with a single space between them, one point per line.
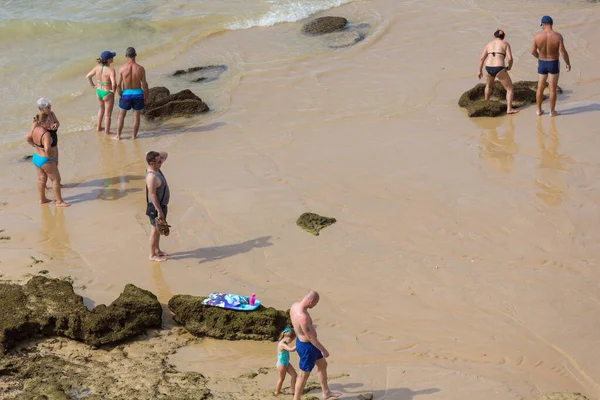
547 20
107 55
130 52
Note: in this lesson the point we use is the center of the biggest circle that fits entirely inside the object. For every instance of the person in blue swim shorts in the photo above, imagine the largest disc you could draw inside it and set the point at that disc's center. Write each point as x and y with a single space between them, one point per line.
133 89
309 348
547 46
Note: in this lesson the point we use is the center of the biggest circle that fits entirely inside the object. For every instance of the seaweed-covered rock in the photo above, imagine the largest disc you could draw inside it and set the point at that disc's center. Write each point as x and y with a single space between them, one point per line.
473 100
313 223
50 307
45 371
162 104
203 74
560 396
129 315
319 26
261 324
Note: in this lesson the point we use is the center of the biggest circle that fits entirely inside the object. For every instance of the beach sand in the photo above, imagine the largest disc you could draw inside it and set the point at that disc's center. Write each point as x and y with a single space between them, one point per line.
464 260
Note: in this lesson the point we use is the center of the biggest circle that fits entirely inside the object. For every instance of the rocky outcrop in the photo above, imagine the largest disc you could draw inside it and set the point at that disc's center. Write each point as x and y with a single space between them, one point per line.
560 396
50 307
261 324
322 25
313 223
204 74
473 99
162 104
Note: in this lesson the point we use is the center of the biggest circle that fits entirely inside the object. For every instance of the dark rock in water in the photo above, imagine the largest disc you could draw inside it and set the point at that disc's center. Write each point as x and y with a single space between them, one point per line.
219 323
50 307
157 93
365 396
323 25
473 99
560 396
313 223
162 104
205 74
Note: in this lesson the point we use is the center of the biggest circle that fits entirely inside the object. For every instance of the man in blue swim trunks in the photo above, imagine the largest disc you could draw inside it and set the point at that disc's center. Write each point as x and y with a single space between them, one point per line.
547 45
133 89
308 347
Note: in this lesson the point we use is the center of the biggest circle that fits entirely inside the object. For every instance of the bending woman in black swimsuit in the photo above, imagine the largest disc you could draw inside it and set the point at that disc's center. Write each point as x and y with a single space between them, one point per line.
494 55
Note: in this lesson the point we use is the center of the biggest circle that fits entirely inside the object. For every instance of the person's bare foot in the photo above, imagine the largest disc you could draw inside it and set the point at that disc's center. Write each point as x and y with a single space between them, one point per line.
157 258
539 112
512 111
554 113
99 128
109 133
332 395
162 254
63 204
44 201
116 137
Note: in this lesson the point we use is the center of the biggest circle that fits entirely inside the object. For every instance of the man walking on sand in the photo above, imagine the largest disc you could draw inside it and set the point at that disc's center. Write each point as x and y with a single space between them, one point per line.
133 89
547 45
158 195
310 350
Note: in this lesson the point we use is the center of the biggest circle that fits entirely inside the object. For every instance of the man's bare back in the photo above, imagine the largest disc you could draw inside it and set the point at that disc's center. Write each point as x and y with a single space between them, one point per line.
548 44
133 75
301 321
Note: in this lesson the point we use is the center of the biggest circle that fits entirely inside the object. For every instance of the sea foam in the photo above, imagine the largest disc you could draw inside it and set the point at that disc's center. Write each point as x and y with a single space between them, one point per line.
288 12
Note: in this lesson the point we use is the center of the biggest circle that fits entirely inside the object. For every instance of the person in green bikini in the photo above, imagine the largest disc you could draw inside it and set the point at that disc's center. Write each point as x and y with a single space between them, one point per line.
106 83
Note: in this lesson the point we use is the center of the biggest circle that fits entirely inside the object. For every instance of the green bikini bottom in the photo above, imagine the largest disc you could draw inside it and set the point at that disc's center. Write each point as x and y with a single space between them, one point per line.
102 93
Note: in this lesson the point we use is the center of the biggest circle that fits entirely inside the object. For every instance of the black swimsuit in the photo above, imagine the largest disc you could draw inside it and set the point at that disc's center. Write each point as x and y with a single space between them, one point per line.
54 137
493 71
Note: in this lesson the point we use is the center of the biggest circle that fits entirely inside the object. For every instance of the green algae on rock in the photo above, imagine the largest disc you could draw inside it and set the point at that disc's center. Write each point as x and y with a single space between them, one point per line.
473 99
200 320
313 223
50 307
57 369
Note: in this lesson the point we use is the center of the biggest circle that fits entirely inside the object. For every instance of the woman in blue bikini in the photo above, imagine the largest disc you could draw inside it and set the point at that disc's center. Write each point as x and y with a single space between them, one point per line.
44 158
283 360
494 56
105 85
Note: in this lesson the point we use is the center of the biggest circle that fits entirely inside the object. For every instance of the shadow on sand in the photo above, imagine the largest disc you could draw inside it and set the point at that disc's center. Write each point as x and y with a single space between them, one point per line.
581 109
207 254
101 194
179 129
106 181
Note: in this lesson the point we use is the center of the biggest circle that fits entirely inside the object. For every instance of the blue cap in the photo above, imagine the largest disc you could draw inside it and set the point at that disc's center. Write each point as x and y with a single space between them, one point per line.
547 20
107 55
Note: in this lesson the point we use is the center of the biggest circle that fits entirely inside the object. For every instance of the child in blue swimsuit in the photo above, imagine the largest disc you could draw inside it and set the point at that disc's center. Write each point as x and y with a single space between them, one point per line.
283 360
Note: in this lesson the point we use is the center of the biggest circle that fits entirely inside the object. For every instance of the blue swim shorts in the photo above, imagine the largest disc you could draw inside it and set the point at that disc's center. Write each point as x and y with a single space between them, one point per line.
132 98
548 67
308 354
